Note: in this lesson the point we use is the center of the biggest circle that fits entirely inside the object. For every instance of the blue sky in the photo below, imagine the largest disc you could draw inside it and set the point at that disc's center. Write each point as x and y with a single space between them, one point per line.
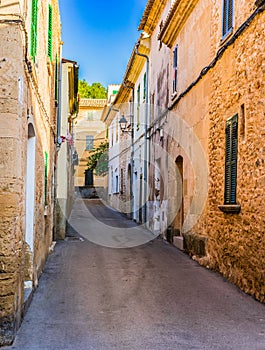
100 36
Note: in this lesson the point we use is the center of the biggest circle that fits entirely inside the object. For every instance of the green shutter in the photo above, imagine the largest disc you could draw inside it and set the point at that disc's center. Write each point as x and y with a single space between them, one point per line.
50 33
34 29
231 160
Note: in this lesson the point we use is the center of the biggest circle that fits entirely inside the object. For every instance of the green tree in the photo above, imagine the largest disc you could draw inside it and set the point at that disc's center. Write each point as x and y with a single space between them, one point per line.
95 90
98 159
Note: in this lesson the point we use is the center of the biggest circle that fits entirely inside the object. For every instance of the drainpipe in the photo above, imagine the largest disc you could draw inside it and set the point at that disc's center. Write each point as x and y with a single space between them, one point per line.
132 152
145 129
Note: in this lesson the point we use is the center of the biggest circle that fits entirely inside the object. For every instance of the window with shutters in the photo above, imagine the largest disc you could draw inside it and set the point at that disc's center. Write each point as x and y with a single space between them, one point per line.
231 141
138 106
144 92
46 165
228 10
49 49
175 69
34 29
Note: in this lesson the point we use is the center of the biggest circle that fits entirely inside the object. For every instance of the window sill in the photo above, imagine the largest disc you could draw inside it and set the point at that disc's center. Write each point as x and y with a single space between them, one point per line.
226 36
230 208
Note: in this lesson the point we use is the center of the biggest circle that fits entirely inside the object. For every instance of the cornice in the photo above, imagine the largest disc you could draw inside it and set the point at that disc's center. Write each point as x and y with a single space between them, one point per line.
151 15
175 20
91 102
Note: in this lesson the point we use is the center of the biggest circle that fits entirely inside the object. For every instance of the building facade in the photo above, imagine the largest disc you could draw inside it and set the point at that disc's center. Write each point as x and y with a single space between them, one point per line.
30 33
89 132
66 152
205 122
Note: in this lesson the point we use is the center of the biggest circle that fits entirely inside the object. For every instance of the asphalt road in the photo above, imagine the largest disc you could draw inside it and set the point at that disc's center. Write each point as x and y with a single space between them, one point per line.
149 296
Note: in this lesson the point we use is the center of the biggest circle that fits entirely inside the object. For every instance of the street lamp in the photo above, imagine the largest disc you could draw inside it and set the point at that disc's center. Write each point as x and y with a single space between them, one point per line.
123 123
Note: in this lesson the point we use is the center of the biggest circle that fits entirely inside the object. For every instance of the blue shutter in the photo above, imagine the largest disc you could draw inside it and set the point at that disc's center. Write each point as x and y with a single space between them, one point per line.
228 10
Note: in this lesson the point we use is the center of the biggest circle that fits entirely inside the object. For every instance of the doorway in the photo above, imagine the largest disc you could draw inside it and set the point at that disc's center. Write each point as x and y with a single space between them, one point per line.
30 206
179 219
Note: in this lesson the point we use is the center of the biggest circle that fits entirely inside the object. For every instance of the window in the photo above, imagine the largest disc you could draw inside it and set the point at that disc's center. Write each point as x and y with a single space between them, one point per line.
227 16
34 28
49 50
144 96
231 140
89 142
116 184
138 106
46 164
175 68
90 115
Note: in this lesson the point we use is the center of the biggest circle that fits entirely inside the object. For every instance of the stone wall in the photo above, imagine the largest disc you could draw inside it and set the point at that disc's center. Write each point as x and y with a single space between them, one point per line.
236 244
12 172
27 109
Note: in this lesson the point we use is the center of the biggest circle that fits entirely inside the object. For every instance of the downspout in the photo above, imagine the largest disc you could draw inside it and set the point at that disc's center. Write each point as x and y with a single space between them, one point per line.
132 152
145 128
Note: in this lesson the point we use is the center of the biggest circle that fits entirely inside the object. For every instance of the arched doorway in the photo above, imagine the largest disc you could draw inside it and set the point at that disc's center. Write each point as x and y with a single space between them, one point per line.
30 205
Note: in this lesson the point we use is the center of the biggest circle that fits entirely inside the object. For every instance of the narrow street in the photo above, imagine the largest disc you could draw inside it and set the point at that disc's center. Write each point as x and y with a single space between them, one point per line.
93 295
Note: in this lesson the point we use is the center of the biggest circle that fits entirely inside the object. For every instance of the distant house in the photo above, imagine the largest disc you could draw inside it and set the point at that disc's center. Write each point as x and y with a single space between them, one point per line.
89 132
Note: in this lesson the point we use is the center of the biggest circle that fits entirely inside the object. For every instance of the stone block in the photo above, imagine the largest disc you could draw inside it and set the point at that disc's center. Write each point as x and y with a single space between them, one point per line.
178 242
195 244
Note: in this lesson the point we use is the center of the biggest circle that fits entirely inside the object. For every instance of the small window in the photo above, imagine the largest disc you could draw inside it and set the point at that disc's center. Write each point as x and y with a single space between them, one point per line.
175 68
90 116
46 165
231 141
89 142
138 105
50 32
144 93
116 184
228 9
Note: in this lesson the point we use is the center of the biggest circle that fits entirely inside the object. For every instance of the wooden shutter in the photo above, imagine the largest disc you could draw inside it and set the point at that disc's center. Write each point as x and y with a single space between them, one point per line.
50 32
227 16
34 29
46 165
175 68
230 15
231 160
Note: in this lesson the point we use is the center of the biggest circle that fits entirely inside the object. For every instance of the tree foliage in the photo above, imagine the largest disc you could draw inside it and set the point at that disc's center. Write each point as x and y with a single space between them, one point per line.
95 90
98 159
